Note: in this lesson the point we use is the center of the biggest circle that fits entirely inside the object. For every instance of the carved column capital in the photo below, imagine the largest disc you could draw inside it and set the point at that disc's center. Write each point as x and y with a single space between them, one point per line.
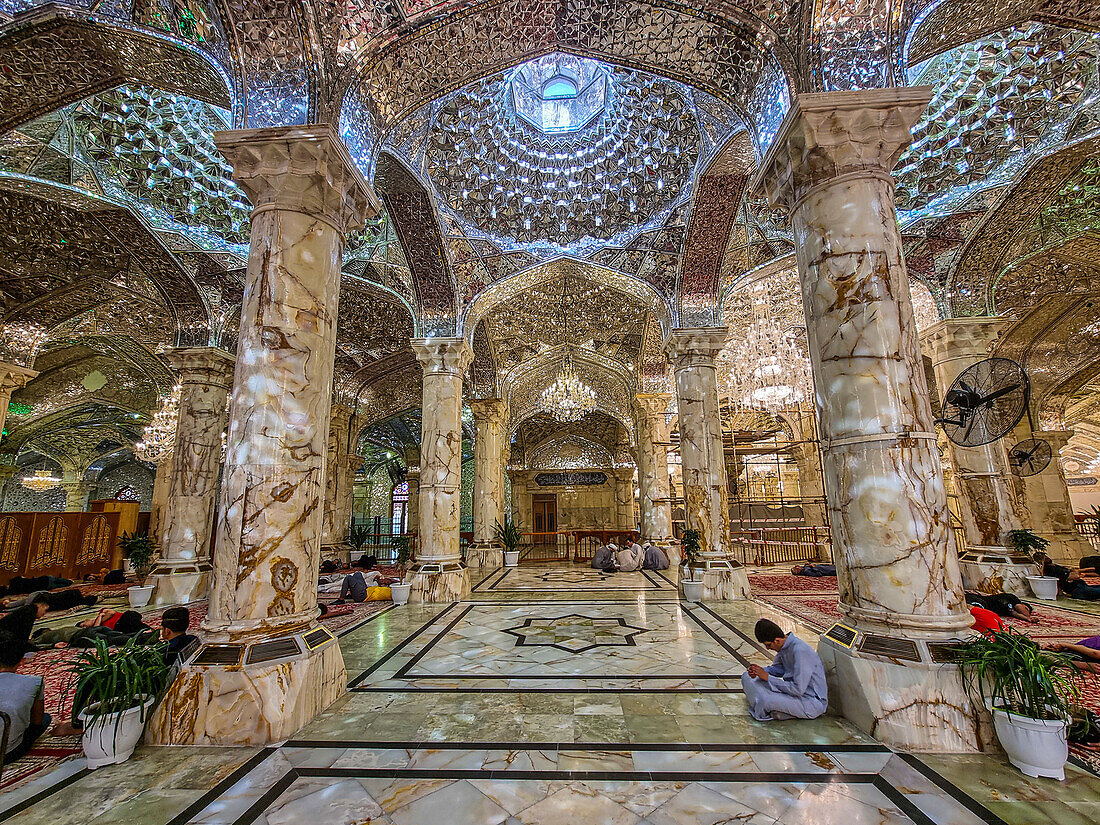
491 411
968 338
830 134
14 377
451 356
210 366
650 405
300 168
695 346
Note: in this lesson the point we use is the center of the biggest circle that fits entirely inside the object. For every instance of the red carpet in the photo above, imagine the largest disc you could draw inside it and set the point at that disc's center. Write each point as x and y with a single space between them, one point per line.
764 584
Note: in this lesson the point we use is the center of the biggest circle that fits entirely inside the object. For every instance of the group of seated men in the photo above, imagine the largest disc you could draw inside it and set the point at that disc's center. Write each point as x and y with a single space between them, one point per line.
609 558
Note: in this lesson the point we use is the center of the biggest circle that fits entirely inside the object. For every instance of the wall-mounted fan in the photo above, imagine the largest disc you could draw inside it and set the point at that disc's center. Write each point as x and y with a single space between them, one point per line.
985 402
1030 457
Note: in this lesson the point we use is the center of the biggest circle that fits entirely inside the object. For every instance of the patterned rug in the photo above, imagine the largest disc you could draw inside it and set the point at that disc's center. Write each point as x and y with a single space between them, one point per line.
53 666
776 584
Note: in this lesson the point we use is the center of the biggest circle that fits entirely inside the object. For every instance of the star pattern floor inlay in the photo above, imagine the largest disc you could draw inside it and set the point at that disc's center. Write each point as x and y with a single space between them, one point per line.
575 633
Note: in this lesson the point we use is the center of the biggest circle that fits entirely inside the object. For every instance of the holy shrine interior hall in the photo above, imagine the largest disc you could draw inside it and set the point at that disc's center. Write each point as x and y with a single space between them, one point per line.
547 411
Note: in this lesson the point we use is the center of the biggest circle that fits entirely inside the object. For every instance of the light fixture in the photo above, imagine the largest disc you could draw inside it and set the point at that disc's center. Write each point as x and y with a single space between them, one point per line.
158 440
41 481
568 398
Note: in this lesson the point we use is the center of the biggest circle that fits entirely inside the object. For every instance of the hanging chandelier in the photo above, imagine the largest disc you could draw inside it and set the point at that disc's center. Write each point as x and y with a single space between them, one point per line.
568 398
159 438
41 481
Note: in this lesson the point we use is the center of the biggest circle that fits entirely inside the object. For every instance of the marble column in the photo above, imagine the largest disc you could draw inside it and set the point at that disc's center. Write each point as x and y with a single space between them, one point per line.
438 573
266 666
336 518
624 499
521 501
489 418
183 572
162 482
412 476
12 378
983 481
706 494
76 489
654 495
1046 506
900 589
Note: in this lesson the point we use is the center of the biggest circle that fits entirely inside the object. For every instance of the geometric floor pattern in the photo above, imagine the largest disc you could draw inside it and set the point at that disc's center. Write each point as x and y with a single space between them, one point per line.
585 706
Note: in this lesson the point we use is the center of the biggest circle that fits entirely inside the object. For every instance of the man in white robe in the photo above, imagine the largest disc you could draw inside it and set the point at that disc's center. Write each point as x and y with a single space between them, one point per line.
630 558
793 686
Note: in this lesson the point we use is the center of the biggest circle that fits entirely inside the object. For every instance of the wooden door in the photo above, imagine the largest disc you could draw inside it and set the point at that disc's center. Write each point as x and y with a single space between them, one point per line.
545 512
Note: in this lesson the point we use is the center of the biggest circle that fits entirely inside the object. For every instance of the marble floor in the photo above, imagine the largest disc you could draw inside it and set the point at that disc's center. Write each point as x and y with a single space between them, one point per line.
575 703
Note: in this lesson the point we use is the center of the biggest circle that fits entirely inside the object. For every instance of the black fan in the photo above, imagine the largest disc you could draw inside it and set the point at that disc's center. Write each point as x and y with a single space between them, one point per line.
986 401
1030 457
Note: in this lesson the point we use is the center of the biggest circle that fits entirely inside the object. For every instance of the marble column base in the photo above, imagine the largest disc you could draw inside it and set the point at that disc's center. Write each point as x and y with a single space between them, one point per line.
180 585
914 705
1066 548
995 570
486 556
250 693
339 553
438 582
722 580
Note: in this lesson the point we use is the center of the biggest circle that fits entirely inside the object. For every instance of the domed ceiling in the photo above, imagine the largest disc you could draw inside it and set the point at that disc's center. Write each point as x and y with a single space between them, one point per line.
563 155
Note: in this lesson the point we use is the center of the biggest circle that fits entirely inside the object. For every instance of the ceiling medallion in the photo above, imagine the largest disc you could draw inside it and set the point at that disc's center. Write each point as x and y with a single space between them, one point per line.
41 481
158 440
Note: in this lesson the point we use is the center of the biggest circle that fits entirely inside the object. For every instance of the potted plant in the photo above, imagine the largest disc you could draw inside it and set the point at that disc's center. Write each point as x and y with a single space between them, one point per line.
139 548
690 542
509 535
400 589
1028 543
119 687
1029 691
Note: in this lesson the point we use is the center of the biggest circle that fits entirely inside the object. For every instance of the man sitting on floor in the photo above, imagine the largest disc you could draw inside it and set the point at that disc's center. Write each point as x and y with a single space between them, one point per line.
19 623
814 570
630 558
604 559
22 699
655 558
793 686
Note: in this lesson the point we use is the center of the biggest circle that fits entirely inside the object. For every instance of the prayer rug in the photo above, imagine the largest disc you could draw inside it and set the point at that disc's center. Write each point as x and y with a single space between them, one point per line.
775 584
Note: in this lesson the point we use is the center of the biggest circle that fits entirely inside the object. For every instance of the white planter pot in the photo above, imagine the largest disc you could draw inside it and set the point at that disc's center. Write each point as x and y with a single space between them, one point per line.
1038 747
1044 587
400 593
693 591
112 738
140 595
511 558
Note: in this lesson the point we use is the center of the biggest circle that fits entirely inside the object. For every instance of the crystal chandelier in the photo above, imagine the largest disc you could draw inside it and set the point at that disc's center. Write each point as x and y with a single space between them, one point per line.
41 481
568 398
159 437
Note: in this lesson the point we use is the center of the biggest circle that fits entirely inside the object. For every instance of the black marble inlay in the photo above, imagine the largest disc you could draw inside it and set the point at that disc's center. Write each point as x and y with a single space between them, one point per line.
575 633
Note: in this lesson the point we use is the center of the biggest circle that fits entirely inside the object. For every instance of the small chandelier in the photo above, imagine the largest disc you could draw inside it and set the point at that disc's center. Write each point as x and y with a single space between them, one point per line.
159 437
568 398
41 481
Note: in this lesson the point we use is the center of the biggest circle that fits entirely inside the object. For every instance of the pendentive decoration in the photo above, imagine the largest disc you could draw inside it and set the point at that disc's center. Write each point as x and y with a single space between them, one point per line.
568 398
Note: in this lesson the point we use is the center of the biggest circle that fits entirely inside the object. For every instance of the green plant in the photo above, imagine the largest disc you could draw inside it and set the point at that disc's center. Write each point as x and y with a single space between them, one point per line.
508 533
403 546
358 535
1026 541
139 548
1010 671
690 541
111 681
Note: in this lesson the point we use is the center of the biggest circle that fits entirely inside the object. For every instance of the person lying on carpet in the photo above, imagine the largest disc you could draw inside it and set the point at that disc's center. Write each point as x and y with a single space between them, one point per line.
1058 571
365 561
814 570
123 627
22 698
1074 586
793 686
20 585
370 586
604 559
655 558
1086 653
57 601
1007 605
630 558
986 621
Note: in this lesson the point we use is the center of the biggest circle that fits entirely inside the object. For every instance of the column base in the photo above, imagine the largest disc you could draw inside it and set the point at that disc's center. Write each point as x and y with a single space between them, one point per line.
723 580
485 555
438 582
897 690
339 553
250 693
180 584
1067 549
996 570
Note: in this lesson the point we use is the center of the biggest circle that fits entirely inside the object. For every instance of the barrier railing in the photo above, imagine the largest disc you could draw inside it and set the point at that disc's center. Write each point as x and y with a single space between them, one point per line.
779 545
585 542
544 548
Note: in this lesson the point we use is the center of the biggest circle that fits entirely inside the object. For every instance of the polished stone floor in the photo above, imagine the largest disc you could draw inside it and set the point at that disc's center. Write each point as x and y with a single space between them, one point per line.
583 702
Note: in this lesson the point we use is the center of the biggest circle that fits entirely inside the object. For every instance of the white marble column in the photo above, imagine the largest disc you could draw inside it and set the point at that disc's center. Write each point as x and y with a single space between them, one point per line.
335 520
12 378
983 480
654 495
900 588
266 666
76 489
521 501
162 482
489 418
624 499
1045 502
183 572
706 495
438 574
412 476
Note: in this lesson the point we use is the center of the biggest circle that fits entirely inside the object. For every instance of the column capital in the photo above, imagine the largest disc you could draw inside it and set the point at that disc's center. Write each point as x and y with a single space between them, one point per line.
695 346
1056 438
489 410
302 169
624 473
14 377
830 134
970 338
203 365
649 405
452 356
340 415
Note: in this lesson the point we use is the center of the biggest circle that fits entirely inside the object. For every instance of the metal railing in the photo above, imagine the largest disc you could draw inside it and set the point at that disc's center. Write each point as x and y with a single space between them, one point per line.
780 545
1089 528
544 548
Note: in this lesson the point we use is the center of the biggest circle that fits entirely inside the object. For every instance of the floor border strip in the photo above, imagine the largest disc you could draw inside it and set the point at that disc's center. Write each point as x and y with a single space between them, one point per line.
45 793
650 747
947 786
388 655
222 787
